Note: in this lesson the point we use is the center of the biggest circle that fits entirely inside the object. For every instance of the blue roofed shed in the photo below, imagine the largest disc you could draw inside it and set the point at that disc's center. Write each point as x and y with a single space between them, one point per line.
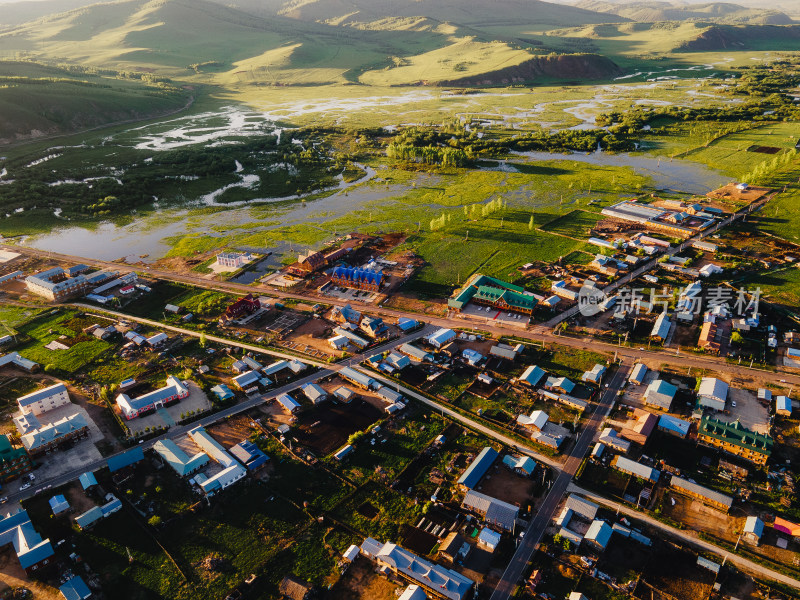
58 504
532 375
87 480
405 324
673 425
470 478
75 589
90 517
222 392
599 534
120 461
250 455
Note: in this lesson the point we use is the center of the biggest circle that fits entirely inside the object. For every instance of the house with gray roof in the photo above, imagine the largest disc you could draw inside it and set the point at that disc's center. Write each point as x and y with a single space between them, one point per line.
660 394
433 578
494 512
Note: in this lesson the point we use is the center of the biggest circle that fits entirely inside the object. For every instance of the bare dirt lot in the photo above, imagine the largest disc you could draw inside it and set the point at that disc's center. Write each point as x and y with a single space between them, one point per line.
232 431
327 427
699 517
361 582
502 483
676 572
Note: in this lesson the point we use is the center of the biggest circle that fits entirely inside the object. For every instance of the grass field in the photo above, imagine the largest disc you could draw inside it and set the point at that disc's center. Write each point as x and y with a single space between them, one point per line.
83 348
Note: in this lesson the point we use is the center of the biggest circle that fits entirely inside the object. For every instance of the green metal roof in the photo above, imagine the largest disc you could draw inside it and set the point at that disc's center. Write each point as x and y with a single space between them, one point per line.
737 434
475 283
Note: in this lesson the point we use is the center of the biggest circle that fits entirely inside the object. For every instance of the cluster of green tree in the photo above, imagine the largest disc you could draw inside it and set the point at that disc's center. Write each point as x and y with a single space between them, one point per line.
584 140
454 146
429 155
762 172
284 168
16 80
765 80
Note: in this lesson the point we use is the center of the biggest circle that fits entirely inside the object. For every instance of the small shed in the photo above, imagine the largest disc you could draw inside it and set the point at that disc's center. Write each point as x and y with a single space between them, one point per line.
59 504
489 539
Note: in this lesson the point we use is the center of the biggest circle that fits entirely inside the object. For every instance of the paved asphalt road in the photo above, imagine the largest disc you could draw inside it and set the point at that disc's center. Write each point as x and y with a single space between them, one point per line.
536 333
535 531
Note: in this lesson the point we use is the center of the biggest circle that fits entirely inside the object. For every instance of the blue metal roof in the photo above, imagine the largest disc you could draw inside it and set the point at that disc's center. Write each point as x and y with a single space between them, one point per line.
90 516
599 533
120 461
356 275
222 391
478 468
406 324
87 480
75 589
249 454
674 425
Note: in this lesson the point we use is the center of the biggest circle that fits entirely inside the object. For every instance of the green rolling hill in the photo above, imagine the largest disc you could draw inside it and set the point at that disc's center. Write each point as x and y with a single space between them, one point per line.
207 42
38 101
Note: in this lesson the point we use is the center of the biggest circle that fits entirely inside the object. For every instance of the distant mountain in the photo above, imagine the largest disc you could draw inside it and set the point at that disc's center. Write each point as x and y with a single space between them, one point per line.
717 12
478 14
305 42
16 13
746 37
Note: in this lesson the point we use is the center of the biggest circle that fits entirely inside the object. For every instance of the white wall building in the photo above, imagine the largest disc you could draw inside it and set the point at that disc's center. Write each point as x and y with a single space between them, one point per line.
43 400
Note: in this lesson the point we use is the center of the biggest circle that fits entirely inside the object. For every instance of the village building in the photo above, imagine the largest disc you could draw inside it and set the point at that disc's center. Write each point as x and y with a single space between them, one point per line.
673 425
250 455
477 469
44 400
753 530
598 535
454 548
13 461
595 375
611 438
494 512
783 406
703 494
736 439
709 334
173 392
660 394
231 471
178 460
439 581
359 279
638 429
489 539
243 307
488 291
75 588
631 467
532 375
54 285
712 393
233 260
661 328
32 551
38 439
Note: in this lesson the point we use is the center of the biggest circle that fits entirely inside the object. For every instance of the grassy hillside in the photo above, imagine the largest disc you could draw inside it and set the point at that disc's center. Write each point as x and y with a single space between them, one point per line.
381 45
38 101
718 12
472 14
